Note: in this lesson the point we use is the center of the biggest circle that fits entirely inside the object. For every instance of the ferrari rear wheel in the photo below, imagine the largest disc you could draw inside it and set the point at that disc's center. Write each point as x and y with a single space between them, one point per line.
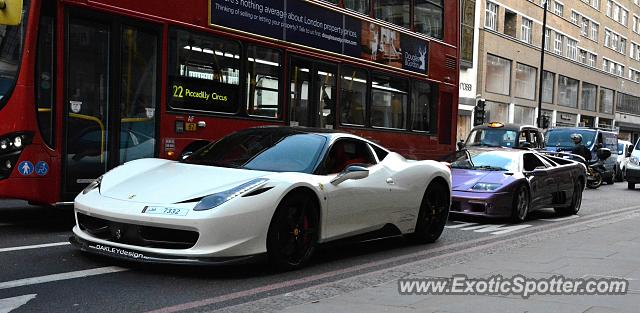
434 211
293 232
520 204
576 201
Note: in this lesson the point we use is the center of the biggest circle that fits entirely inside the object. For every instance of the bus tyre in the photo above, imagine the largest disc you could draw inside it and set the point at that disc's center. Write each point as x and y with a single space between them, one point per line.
433 214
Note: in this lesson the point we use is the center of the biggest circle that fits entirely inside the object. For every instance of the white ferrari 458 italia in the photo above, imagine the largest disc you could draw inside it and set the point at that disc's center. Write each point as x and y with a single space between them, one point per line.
270 191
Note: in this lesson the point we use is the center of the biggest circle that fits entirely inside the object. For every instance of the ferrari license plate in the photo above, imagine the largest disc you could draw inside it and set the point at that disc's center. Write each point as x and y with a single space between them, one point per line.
158 210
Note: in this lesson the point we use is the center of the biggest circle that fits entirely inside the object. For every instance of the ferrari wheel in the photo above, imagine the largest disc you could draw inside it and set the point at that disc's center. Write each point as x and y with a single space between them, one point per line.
293 232
576 201
434 210
520 204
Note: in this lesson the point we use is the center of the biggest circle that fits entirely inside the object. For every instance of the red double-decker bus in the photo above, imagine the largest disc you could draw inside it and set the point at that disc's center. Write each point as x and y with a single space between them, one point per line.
86 85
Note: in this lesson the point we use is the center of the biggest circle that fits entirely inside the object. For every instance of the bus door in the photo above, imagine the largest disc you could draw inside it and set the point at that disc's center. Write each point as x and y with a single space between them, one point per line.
313 93
111 96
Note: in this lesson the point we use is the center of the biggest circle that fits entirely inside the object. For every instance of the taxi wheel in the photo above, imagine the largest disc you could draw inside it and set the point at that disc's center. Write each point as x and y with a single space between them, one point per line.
293 232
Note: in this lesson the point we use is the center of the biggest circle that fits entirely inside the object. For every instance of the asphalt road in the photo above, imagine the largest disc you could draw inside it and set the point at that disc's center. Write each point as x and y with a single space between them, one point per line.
41 272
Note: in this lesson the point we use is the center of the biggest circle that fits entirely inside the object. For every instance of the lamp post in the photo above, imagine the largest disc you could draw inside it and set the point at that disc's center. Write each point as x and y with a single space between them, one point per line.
544 31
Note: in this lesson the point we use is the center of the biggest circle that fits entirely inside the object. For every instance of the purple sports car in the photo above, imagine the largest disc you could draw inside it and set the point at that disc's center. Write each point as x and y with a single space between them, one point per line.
511 183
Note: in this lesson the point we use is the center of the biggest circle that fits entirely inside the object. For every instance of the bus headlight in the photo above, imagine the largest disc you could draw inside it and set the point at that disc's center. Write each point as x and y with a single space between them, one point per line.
4 144
11 146
17 142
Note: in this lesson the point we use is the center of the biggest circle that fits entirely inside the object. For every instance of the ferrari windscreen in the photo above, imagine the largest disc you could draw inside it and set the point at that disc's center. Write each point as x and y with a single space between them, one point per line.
263 150
487 160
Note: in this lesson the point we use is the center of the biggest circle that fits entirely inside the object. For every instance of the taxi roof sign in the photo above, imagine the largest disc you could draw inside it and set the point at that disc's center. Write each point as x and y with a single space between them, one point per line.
496 125
10 12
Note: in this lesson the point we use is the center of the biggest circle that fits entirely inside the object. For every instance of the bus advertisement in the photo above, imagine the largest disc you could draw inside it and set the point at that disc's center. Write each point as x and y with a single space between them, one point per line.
88 85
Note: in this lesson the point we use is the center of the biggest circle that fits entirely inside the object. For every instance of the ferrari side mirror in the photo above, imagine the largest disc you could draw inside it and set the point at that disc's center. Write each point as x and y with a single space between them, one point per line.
351 172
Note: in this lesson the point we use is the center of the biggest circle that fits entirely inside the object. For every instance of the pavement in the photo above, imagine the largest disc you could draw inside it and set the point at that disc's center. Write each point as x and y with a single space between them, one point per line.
594 250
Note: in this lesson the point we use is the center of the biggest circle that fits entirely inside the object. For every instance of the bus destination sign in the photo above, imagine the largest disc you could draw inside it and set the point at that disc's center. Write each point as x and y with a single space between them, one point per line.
308 24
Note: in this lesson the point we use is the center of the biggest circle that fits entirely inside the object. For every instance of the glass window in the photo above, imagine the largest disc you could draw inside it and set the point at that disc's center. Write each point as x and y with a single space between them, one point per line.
606 101
139 94
498 75
424 106
496 112
388 102
353 96
361 6
393 11
45 73
491 16
486 160
627 103
300 84
525 81
467 31
526 30
11 42
523 115
263 81
589 93
547 86
428 17
567 91
204 73
347 152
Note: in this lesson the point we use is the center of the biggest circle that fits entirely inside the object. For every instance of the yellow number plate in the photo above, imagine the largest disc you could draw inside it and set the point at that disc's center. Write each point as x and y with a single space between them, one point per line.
191 127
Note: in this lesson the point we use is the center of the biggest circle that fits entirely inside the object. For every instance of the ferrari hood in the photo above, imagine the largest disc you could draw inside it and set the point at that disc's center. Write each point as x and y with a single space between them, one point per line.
162 181
463 179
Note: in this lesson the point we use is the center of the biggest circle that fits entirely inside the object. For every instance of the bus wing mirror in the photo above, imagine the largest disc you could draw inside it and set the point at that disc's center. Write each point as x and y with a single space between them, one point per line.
10 12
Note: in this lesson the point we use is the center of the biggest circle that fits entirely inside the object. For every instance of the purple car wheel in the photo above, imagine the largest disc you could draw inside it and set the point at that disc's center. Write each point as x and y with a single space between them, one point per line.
293 232
520 204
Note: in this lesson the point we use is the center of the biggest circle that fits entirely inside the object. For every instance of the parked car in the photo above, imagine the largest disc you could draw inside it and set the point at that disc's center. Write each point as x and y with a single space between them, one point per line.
268 191
624 152
496 134
513 182
559 140
632 171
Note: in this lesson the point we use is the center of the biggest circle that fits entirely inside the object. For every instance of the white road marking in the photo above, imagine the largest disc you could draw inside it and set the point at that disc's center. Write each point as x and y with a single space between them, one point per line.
488 228
460 225
60 276
9 304
560 219
45 245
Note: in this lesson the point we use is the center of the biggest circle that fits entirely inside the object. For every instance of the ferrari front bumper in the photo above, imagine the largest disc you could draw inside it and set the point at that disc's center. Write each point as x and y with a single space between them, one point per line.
498 204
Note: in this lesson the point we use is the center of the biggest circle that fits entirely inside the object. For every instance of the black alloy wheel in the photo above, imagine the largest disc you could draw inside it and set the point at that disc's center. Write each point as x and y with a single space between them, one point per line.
293 232
434 211
521 202
576 201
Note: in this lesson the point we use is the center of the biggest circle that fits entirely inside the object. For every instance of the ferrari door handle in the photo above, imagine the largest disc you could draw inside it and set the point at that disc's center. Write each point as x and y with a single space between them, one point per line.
390 181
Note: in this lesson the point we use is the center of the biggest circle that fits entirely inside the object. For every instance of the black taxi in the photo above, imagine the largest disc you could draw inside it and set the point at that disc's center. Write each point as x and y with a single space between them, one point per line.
497 134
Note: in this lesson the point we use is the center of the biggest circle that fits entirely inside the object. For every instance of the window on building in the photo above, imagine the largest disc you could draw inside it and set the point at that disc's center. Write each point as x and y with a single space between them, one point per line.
567 91
634 75
557 47
558 8
525 81
606 101
428 17
582 56
491 16
467 32
547 86
393 11
389 97
588 99
592 61
616 12
361 6
526 30
547 39
496 112
498 77
636 24
523 115
584 27
575 17
594 31
572 49
510 22
635 51
627 103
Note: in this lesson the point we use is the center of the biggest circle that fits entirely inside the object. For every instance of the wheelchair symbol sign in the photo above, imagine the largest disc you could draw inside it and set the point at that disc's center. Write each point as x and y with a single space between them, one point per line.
42 168
25 168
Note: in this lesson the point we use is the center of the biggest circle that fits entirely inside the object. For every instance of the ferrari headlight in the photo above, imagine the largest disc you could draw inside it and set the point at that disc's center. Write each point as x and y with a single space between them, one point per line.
216 199
93 185
634 160
485 186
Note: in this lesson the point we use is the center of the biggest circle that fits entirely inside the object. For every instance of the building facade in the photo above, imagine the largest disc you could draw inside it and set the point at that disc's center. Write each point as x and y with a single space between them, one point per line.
591 72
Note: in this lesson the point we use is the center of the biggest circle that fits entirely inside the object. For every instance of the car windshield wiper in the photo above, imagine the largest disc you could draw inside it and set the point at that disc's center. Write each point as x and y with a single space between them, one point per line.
489 168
